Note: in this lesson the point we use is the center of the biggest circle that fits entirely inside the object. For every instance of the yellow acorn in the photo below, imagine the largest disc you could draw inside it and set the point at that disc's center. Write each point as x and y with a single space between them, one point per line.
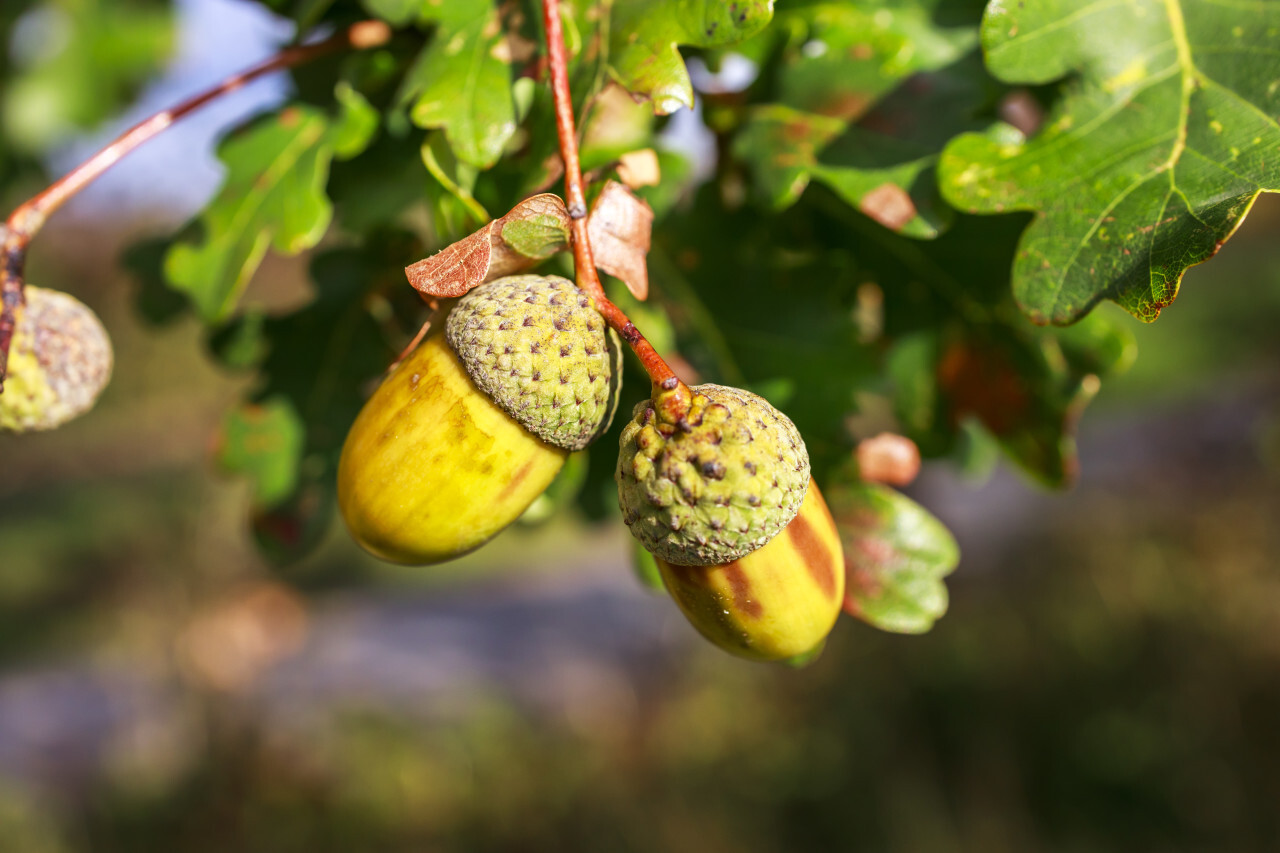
779 601
473 426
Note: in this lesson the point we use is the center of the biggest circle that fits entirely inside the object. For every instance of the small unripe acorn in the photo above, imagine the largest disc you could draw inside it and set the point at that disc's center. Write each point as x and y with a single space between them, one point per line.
718 485
776 603
433 466
60 359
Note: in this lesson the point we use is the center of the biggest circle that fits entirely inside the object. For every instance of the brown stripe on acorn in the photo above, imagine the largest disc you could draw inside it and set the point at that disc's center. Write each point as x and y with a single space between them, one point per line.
776 603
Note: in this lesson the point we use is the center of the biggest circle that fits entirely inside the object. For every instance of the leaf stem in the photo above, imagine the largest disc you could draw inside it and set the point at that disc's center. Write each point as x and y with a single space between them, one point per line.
670 395
29 217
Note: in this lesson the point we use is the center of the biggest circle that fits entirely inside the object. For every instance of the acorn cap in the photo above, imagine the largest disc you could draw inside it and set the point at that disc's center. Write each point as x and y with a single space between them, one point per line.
59 361
716 488
540 350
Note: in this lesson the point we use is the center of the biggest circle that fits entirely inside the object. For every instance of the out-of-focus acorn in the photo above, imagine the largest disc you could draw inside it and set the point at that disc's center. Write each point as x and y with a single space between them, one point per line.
743 540
472 426
60 359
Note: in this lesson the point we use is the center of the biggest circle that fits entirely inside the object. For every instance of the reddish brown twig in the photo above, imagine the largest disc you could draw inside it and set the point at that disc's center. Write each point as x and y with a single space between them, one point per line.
669 392
25 221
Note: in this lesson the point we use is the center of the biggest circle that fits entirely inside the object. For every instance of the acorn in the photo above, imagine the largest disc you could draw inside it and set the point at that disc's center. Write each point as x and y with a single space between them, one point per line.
716 486
60 359
725 501
778 602
474 424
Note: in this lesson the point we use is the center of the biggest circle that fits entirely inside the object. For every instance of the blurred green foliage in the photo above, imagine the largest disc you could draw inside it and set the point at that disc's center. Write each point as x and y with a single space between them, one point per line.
67 66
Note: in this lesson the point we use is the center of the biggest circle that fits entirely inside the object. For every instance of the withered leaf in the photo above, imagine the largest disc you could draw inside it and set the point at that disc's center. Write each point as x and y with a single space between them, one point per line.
533 230
640 168
456 268
620 229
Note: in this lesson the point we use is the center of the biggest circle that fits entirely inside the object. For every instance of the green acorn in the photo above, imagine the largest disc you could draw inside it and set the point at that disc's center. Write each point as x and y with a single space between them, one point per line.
473 425
717 486
536 346
59 362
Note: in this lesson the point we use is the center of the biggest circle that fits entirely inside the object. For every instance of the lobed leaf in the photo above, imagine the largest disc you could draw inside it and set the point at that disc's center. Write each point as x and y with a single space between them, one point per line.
645 36
867 97
273 196
462 82
1164 136
263 441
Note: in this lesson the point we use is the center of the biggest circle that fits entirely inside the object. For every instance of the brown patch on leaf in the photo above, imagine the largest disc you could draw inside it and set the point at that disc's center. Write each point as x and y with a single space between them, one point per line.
619 230
640 168
982 381
1021 110
846 106
888 458
889 205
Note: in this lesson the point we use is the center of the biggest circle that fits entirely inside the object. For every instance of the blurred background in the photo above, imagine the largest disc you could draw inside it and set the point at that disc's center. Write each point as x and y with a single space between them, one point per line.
1108 676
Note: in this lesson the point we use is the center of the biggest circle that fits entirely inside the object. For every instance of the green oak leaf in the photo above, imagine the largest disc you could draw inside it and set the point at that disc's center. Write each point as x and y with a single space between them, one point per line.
896 555
644 36
273 196
263 441
884 178
1164 136
964 354
462 82
314 363
840 59
868 95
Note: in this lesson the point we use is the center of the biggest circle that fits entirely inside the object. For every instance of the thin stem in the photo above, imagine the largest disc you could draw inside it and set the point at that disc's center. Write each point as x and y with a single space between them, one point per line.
28 218
669 393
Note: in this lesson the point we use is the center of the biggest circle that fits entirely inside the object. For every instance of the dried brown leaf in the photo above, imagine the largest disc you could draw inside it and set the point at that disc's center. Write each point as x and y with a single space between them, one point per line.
640 168
529 233
889 205
620 229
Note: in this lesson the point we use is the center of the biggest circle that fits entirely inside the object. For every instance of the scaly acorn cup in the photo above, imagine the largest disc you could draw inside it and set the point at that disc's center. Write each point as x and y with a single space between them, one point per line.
60 359
433 466
777 602
716 487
